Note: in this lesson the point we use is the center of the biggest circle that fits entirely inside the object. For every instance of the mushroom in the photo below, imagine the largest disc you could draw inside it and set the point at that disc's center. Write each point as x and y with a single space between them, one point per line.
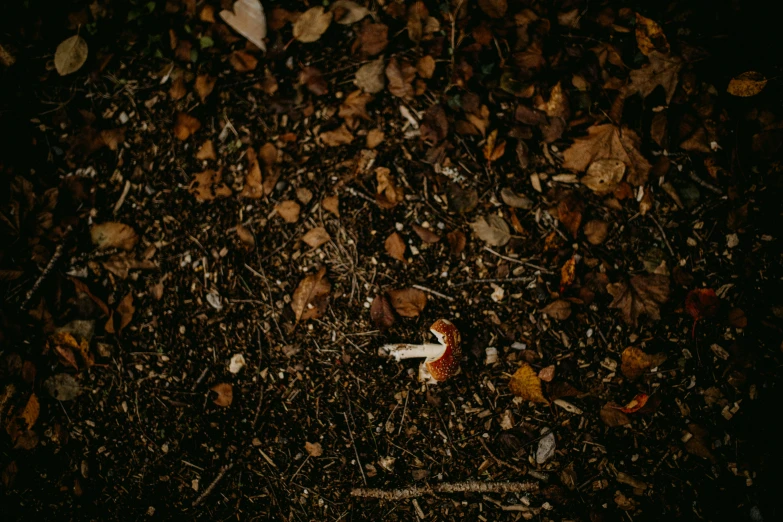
441 361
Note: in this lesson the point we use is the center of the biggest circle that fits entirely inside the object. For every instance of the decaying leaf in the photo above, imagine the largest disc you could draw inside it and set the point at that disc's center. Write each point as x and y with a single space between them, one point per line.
70 55
400 78
607 141
204 85
649 36
206 151
559 309
224 394
185 126
701 303
457 241
312 24
62 387
208 185
408 302
288 210
493 229
494 149
663 70
248 19
314 449
354 108
242 61
382 312
315 237
331 204
737 318
568 274
641 294
613 417
246 237
113 235
604 175
311 297
122 316
514 200
387 193
426 235
370 77
596 231
526 384
122 263
635 362
373 38
636 404
395 246
747 84
339 136
347 12
569 212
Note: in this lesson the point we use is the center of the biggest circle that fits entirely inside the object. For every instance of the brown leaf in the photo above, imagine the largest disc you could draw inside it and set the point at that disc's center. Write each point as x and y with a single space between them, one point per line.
185 126
663 70
635 362
737 318
354 108
613 417
596 231
70 55
29 413
206 151
426 235
607 141
461 200
246 237
314 80
642 294
347 12
315 237
208 185
560 310
339 136
408 302
395 246
312 24
311 296
373 38
747 84
494 8
492 229
426 66
242 61
288 210
225 394
400 77
434 125
178 90
604 175
113 235
381 312
547 374
204 86
568 274
699 444
331 204
494 149
650 37
569 213
314 449
387 193
122 316
480 120
374 138
526 384
457 242
121 264
248 19
370 77
701 303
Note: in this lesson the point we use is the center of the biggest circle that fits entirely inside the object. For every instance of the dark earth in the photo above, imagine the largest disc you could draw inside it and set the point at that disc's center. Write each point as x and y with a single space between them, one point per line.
203 246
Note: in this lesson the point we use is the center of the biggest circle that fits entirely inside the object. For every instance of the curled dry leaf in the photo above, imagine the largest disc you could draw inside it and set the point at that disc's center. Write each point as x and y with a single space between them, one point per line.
604 175
641 294
395 246
311 296
225 394
122 316
208 185
354 108
382 312
70 55
560 310
596 231
312 24
408 302
514 200
569 212
492 229
568 274
526 384
747 84
288 210
339 136
387 194
370 77
113 235
607 141
635 362
185 126
636 404
314 449
315 237
248 19
650 37
246 237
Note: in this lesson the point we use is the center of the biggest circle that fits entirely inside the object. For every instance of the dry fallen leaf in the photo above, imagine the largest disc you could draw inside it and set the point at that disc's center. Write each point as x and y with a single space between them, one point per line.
373 38
701 303
641 294
254 180
604 175
370 77
560 310
204 85
747 84
288 210
208 185
493 229
381 312
122 316
408 302
457 242
62 387
569 212
312 24
354 108
400 78
242 61
225 394
635 362
663 70
649 36
568 274
607 141
347 12
493 149
426 66
334 138
113 235
596 231
314 449
185 126
122 263
613 417
426 235
395 246
311 296
636 404
70 55
526 384
246 237
387 193
315 237
331 204
206 151
248 19
374 138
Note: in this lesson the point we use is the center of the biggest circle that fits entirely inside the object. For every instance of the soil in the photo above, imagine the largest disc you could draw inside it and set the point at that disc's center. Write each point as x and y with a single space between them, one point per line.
636 318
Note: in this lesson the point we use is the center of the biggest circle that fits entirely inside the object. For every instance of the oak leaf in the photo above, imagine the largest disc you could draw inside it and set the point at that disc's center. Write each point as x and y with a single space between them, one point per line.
526 384
662 70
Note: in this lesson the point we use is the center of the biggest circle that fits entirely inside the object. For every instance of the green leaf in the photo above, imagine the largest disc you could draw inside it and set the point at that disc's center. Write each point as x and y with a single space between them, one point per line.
205 42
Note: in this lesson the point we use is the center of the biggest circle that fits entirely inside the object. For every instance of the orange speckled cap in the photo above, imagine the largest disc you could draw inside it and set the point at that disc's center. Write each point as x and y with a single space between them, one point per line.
448 363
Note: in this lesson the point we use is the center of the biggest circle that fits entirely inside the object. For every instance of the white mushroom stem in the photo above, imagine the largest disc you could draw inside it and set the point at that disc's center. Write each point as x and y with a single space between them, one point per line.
413 351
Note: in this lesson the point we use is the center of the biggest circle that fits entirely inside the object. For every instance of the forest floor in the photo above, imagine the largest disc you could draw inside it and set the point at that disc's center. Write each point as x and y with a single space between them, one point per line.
204 245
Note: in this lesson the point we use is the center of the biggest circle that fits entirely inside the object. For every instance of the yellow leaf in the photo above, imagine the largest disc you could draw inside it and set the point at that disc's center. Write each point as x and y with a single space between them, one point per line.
526 384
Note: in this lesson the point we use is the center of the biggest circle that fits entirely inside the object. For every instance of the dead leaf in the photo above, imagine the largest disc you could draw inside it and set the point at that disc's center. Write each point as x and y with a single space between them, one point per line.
185 126
701 303
493 149
248 19
604 175
559 310
642 294
426 235
457 242
254 181
514 200
547 374
373 38
331 204
206 151
177 91
387 194
289 211
663 70
246 237
312 24
613 417
314 449
635 362
400 77
607 141
426 66
381 312
347 12
122 316
493 229
70 55
314 80
568 274
526 384
374 138
699 444
636 404
113 235
121 264
480 120
596 231
311 297
737 318
395 246
334 138
408 302
747 84
242 61
650 37
225 394
62 387
354 108
315 237
204 85
370 77
494 8
434 125
569 212
208 185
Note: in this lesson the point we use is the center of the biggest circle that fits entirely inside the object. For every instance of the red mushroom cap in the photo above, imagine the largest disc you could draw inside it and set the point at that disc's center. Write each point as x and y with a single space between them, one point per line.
443 367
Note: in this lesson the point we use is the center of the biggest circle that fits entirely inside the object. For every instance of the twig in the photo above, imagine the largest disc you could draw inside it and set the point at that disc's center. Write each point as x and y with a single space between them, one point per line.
663 234
453 31
709 186
433 292
496 280
529 265
58 252
502 462
353 443
471 486
124 194
212 485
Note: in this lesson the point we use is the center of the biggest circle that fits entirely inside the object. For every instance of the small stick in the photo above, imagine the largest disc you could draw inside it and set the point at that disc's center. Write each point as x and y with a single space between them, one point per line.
212 485
496 280
433 292
472 486
353 443
501 462
124 194
663 234
712 188
529 265
49 267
